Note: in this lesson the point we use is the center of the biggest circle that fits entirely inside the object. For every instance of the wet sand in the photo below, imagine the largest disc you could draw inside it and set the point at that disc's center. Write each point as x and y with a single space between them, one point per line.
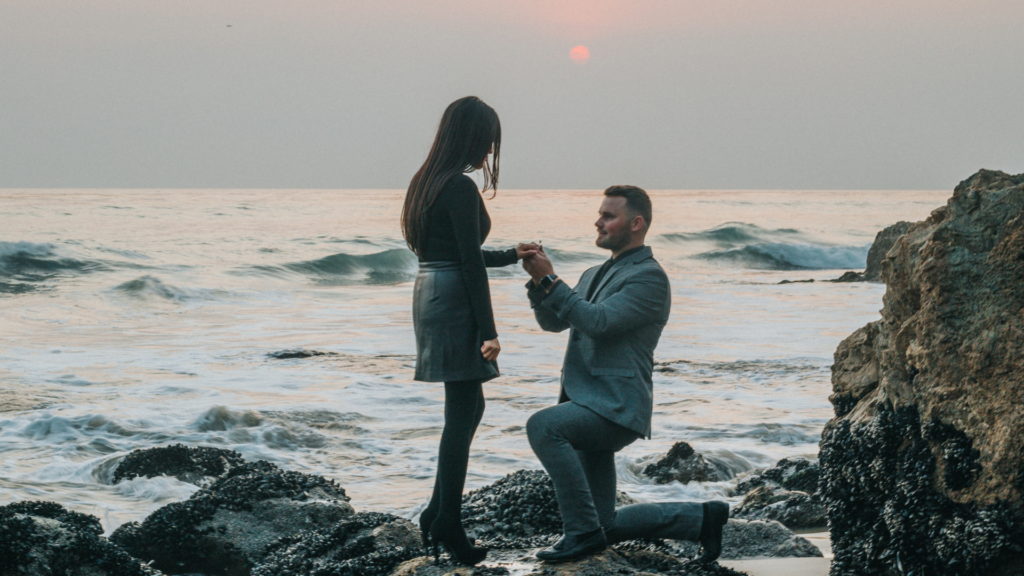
780 566
789 566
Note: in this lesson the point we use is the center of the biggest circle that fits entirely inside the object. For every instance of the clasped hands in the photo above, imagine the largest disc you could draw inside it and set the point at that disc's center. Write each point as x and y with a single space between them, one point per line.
535 261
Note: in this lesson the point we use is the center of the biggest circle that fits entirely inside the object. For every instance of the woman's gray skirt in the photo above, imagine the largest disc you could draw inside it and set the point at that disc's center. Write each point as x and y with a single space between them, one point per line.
448 339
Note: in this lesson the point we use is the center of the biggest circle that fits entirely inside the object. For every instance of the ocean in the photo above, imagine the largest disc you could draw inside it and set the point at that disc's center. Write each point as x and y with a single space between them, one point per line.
140 318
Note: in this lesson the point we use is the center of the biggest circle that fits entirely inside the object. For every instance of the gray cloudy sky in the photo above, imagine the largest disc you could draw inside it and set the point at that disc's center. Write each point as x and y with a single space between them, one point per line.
677 94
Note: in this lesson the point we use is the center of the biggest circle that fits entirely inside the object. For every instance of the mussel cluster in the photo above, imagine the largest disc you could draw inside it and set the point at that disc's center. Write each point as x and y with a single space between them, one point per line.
887 517
959 456
346 548
520 505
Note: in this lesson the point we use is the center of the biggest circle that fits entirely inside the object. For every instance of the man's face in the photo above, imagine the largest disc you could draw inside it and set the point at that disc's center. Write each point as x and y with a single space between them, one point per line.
613 224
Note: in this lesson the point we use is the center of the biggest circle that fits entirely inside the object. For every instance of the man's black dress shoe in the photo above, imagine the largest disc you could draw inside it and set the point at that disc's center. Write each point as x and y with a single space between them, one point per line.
573 547
716 514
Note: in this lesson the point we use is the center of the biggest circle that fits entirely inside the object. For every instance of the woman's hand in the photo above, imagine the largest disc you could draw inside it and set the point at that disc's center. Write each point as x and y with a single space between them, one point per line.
490 350
525 249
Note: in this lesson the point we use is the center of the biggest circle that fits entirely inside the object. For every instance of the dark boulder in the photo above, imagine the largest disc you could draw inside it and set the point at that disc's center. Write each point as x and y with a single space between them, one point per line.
682 464
298 353
197 465
796 473
921 466
225 529
43 538
796 510
884 241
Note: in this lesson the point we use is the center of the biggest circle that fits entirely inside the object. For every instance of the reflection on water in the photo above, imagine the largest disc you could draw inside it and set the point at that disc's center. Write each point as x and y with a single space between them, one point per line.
133 319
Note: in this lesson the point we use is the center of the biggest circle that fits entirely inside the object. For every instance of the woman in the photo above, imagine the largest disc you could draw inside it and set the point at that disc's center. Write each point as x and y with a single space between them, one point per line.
444 221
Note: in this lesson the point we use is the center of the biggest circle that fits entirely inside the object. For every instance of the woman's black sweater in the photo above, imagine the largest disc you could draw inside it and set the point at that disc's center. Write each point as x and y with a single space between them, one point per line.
457 224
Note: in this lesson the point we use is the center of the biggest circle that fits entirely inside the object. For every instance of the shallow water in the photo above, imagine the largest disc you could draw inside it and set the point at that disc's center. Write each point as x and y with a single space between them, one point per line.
133 319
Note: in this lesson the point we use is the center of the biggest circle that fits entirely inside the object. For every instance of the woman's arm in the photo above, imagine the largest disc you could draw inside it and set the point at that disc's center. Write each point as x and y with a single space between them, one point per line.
497 258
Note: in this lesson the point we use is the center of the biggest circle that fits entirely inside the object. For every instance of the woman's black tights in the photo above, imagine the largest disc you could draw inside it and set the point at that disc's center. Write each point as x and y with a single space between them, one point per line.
463 409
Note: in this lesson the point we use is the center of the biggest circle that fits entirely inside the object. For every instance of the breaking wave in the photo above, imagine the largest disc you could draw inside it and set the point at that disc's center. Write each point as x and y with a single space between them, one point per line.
34 262
733 234
146 287
784 256
387 267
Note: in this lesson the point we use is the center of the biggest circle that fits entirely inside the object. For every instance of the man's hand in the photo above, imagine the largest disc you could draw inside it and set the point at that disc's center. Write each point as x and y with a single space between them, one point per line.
538 266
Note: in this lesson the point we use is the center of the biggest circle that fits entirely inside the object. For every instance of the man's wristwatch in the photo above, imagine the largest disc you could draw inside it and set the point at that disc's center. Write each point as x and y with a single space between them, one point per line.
548 281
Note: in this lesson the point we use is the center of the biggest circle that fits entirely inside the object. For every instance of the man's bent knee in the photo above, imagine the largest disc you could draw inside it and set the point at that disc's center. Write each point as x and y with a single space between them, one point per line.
540 428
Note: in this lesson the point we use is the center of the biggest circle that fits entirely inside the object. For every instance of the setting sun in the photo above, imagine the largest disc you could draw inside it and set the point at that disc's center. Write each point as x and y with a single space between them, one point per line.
579 54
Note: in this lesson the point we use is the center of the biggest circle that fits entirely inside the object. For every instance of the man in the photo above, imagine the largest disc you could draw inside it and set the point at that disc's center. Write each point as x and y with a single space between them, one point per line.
615 316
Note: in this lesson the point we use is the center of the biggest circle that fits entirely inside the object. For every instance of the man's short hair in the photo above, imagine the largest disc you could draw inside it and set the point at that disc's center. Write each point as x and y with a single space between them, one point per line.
637 201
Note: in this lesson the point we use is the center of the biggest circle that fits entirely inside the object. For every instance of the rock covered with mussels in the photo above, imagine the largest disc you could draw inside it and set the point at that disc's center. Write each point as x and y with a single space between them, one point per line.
226 527
38 538
199 465
923 465
367 544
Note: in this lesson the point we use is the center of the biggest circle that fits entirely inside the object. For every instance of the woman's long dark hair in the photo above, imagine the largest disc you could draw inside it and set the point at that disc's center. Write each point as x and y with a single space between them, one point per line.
469 130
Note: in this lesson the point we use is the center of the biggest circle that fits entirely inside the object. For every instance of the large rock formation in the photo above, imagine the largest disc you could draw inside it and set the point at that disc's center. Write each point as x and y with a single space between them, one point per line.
42 538
923 465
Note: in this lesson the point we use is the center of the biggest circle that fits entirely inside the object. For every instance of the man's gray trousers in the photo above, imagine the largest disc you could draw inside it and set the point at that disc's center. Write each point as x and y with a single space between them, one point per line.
577 448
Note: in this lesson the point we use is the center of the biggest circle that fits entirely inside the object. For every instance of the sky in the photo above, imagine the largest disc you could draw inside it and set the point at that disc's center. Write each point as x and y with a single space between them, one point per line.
676 94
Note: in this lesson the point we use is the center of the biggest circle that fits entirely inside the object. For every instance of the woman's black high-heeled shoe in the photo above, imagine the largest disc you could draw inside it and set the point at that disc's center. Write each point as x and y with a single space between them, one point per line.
427 518
456 543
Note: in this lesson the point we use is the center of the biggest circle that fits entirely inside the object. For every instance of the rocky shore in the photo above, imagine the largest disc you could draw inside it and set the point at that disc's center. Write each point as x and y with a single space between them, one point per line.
255 519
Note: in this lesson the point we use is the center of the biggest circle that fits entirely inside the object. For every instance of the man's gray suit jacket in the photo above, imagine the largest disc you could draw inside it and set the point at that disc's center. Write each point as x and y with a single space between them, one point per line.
610 357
